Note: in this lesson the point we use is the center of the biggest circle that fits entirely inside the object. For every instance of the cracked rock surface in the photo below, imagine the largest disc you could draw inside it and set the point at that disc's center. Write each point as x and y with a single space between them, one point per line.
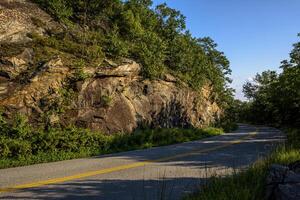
283 182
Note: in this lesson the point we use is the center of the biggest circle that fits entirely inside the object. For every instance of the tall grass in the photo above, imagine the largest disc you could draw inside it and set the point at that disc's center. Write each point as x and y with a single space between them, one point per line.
250 184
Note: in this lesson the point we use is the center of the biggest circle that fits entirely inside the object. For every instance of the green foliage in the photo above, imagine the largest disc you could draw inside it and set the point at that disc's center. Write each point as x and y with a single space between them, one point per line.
159 137
150 52
91 53
79 75
228 124
243 186
20 140
106 100
274 98
115 46
231 112
293 136
22 145
155 37
58 8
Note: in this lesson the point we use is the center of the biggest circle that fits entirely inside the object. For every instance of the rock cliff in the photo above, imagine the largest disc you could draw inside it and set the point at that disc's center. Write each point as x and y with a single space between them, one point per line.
113 97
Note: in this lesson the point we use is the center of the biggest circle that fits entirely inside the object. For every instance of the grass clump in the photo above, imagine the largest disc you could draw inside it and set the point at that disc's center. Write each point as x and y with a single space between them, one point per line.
250 184
22 145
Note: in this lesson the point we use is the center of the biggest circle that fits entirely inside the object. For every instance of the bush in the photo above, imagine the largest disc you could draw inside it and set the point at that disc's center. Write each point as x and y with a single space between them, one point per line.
57 8
116 47
4 149
79 75
19 141
18 148
150 51
159 137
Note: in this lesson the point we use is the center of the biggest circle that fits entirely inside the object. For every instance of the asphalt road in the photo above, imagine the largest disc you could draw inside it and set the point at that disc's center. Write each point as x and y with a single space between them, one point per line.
159 173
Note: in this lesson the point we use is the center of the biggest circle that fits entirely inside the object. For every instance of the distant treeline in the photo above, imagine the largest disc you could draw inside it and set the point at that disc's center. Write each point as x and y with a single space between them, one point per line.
274 98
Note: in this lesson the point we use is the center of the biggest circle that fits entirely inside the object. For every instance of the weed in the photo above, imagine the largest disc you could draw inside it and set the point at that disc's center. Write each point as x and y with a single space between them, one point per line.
105 100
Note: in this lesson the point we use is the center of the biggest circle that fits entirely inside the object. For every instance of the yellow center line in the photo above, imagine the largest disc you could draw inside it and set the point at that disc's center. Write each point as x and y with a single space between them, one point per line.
122 167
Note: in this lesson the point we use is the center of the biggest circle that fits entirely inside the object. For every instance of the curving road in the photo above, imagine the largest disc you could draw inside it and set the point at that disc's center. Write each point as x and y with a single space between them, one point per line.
159 173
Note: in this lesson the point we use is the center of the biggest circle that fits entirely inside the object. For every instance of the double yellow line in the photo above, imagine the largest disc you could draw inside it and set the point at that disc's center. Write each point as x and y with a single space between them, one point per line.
121 167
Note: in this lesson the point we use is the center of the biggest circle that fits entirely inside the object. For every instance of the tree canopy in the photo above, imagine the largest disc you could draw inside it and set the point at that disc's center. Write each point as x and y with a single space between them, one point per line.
275 98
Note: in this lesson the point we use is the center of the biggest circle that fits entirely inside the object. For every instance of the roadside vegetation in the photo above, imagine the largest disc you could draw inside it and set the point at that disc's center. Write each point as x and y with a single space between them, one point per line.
274 97
273 100
22 145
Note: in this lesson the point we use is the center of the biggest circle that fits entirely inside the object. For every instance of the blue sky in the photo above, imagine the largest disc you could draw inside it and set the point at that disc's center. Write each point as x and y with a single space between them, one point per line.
255 35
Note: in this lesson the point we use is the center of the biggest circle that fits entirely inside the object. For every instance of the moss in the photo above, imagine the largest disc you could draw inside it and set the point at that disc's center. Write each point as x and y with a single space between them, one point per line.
105 100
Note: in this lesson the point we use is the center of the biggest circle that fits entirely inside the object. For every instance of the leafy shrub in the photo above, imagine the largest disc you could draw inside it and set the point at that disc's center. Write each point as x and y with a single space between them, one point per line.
18 141
4 149
18 147
58 8
115 46
158 137
213 131
80 75
21 128
150 51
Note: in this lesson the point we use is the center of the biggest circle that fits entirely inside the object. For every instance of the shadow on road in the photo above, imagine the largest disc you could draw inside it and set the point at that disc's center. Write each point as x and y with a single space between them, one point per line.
102 189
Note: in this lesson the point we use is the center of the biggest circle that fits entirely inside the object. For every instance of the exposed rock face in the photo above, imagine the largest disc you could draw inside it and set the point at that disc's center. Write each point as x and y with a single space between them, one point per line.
26 98
114 99
283 182
18 18
135 101
11 67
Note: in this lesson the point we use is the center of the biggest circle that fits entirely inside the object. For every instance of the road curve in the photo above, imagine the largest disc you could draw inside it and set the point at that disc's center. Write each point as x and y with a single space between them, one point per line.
158 173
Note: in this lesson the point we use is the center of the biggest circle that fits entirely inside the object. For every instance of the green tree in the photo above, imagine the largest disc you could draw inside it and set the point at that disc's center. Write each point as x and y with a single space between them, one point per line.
274 98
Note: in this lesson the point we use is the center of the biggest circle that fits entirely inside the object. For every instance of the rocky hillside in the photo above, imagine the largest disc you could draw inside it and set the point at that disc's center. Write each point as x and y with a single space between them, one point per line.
112 96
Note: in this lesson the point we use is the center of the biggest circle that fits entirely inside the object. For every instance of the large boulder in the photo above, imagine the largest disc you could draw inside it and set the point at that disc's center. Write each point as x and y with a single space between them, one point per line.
283 182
